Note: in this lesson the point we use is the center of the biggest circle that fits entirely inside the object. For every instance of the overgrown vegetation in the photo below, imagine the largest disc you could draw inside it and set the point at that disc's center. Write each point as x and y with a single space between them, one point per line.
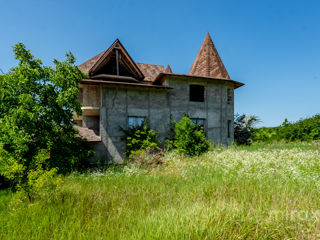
303 130
37 138
252 192
189 139
140 138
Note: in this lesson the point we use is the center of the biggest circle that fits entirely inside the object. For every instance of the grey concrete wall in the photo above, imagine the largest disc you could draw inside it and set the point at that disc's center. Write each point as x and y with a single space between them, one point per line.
118 103
90 95
157 105
215 109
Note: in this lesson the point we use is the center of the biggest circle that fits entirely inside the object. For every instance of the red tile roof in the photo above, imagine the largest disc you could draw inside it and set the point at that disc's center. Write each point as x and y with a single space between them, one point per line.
208 62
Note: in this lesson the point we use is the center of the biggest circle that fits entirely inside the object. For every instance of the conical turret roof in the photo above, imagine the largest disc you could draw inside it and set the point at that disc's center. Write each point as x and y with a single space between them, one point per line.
208 62
168 69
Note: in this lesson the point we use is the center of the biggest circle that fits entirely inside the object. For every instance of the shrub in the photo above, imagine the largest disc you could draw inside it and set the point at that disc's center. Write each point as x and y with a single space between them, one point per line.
139 137
264 134
189 139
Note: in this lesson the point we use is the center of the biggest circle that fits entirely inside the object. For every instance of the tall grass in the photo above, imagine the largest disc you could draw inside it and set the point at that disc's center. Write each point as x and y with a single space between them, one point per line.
257 192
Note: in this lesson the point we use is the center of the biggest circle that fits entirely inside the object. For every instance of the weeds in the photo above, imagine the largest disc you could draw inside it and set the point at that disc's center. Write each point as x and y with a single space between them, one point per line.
257 192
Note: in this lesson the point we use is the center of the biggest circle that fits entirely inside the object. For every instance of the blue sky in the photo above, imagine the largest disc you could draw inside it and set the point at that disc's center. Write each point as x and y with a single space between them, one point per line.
272 45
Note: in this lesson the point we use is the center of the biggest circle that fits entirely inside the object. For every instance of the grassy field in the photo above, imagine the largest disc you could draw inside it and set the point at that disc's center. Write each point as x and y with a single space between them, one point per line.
257 192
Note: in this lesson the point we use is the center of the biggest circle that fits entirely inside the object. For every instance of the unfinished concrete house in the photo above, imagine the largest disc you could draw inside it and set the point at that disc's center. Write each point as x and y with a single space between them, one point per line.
120 92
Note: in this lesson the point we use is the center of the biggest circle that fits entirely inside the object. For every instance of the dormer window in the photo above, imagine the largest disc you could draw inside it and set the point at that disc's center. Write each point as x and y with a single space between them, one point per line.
196 93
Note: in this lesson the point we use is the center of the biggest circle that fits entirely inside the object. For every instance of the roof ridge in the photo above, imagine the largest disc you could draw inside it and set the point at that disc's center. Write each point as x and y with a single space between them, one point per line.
150 64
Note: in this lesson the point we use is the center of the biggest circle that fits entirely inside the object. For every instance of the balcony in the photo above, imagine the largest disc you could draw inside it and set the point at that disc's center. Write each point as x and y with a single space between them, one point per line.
87 111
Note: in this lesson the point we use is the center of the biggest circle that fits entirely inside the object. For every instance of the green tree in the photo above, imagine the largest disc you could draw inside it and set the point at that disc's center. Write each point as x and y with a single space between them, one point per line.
189 139
37 103
243 128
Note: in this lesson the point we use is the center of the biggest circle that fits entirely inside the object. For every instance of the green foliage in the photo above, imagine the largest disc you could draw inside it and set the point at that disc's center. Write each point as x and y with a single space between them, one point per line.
140 137
37 138
243 128
189 139
303 130
265 134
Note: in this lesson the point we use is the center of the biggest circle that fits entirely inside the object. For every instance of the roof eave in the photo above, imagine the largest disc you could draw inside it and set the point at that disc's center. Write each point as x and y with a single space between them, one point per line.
116 83
162 75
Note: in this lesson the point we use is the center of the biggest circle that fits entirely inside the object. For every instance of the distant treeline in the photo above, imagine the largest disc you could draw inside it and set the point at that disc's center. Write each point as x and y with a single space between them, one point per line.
303 130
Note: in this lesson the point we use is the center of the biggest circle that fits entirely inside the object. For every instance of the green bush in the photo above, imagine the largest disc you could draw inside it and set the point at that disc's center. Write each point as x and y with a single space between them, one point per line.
264 134
37 138
189 139
140 137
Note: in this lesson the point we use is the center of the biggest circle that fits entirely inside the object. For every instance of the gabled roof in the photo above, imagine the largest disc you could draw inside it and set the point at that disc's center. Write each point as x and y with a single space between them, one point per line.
168 69
92 65
150 71
208 62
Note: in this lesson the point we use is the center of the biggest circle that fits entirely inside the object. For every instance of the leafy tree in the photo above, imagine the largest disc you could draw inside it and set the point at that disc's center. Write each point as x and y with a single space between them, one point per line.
243 128
189 139
37 103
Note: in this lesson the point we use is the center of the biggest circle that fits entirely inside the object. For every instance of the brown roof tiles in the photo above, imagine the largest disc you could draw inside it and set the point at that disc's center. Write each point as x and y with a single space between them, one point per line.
150 71
168 69
87 65
208 62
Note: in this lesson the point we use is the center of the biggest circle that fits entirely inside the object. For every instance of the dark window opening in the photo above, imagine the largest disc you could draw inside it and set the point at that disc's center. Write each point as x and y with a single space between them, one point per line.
229 128
229 96
135 121
92 122
196 93
198 122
